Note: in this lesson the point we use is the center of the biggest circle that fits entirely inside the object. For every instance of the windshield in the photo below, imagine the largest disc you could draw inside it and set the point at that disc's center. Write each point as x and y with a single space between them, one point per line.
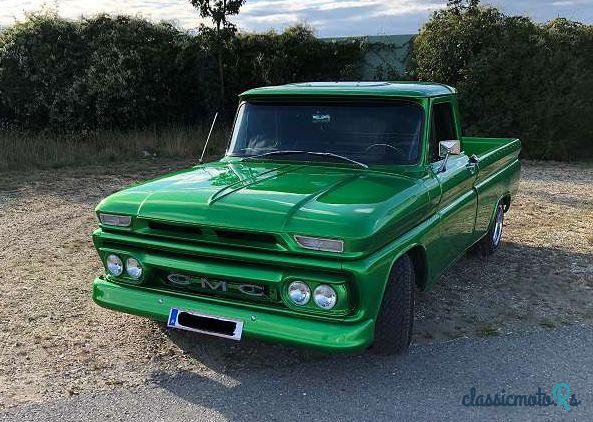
368 133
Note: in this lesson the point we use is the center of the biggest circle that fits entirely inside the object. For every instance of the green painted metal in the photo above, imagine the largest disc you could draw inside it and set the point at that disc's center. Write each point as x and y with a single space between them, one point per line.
356 89
234 220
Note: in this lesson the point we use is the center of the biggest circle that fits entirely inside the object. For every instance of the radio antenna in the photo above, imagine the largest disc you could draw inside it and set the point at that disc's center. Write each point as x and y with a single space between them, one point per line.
208 138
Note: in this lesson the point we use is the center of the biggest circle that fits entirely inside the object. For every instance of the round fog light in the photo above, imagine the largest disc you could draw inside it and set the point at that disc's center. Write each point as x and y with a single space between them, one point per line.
324 296
114 265
299 292
133 268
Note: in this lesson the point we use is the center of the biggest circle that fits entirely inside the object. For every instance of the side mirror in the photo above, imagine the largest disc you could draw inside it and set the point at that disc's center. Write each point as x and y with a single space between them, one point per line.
447 148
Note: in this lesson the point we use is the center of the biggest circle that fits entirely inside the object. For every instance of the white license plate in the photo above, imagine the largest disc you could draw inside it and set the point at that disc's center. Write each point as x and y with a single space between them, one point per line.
205 324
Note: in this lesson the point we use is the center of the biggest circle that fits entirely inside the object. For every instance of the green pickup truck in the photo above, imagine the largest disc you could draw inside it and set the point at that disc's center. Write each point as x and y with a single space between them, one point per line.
333 203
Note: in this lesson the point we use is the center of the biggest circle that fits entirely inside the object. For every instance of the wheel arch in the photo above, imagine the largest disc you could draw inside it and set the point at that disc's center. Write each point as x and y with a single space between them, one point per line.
417 254
506 201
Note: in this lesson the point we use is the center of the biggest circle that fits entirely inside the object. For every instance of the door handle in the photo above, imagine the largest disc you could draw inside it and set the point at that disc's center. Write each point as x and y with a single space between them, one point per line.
472 164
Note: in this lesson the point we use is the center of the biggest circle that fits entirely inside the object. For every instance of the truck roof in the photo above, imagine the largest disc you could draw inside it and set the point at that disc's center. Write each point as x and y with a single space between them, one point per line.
366 89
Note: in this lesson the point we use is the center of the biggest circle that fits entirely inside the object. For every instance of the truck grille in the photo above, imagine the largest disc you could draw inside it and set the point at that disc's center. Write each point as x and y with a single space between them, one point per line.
187 232
249 237
174 228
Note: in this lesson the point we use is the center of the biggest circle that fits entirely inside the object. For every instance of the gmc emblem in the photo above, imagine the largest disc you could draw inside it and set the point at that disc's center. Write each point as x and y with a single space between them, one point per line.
248 289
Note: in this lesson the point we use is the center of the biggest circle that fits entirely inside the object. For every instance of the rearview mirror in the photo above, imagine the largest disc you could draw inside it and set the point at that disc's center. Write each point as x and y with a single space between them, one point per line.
446 148
452 147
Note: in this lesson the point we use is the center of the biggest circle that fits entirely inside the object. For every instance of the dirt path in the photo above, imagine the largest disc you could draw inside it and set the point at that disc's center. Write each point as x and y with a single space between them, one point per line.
55 341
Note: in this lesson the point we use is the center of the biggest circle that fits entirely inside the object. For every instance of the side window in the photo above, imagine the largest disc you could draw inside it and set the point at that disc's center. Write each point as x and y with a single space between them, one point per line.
443 128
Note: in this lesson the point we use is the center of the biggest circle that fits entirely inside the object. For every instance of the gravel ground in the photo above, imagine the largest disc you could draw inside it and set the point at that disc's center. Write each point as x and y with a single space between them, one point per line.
428 385
56 342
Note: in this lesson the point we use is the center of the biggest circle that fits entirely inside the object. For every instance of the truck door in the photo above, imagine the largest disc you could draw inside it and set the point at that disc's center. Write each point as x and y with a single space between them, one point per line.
458 202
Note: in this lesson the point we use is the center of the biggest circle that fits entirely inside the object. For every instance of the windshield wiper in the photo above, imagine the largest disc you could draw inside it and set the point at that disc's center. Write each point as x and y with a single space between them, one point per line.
321 154
341 157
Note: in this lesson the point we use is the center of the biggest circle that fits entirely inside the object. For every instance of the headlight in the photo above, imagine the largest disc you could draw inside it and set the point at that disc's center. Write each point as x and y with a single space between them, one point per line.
299 292
114 265
324 296
318 244
115 220
133 268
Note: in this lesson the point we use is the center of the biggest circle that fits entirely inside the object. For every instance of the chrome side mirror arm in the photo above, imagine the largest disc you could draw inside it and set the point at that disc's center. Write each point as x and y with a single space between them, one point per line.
443 166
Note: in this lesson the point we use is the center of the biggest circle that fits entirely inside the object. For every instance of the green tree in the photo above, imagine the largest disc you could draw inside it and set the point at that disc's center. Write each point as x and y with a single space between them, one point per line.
131 76
218 12
458 5
294 55
451 39
515 77
42 60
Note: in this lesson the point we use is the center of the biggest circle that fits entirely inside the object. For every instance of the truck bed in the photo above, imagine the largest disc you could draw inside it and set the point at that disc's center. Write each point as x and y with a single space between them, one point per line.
494 154
489 150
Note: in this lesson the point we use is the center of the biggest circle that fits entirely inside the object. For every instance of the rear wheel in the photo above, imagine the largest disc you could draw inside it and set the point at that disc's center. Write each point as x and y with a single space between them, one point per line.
393 329
489 243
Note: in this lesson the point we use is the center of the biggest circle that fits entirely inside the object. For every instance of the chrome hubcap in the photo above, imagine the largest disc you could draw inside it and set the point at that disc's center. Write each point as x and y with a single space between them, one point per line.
498 226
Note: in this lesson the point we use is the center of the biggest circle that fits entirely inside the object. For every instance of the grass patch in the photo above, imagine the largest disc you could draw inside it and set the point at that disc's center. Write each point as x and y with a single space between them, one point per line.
19 151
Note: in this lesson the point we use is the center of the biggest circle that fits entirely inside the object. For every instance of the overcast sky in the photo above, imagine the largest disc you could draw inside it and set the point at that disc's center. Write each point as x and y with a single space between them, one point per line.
329 17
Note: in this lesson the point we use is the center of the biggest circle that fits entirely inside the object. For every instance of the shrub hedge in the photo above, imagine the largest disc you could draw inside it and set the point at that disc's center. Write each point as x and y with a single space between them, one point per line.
121 72
515 77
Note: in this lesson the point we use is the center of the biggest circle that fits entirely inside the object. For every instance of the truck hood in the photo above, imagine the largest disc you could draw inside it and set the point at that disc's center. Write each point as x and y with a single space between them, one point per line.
364 208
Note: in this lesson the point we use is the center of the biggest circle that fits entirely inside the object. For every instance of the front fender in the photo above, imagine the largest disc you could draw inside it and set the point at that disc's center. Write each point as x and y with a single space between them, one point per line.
372 273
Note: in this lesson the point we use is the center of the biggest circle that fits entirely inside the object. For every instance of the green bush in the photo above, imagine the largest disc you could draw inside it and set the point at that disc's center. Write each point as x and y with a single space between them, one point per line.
131 75
42 61
295 55
120 72
515 77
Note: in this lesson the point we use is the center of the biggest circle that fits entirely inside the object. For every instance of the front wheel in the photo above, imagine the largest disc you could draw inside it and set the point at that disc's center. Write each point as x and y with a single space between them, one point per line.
393 329
489 243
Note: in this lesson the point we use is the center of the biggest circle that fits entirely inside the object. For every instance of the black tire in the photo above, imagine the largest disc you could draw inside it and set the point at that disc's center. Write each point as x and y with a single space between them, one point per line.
393 329
490 243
